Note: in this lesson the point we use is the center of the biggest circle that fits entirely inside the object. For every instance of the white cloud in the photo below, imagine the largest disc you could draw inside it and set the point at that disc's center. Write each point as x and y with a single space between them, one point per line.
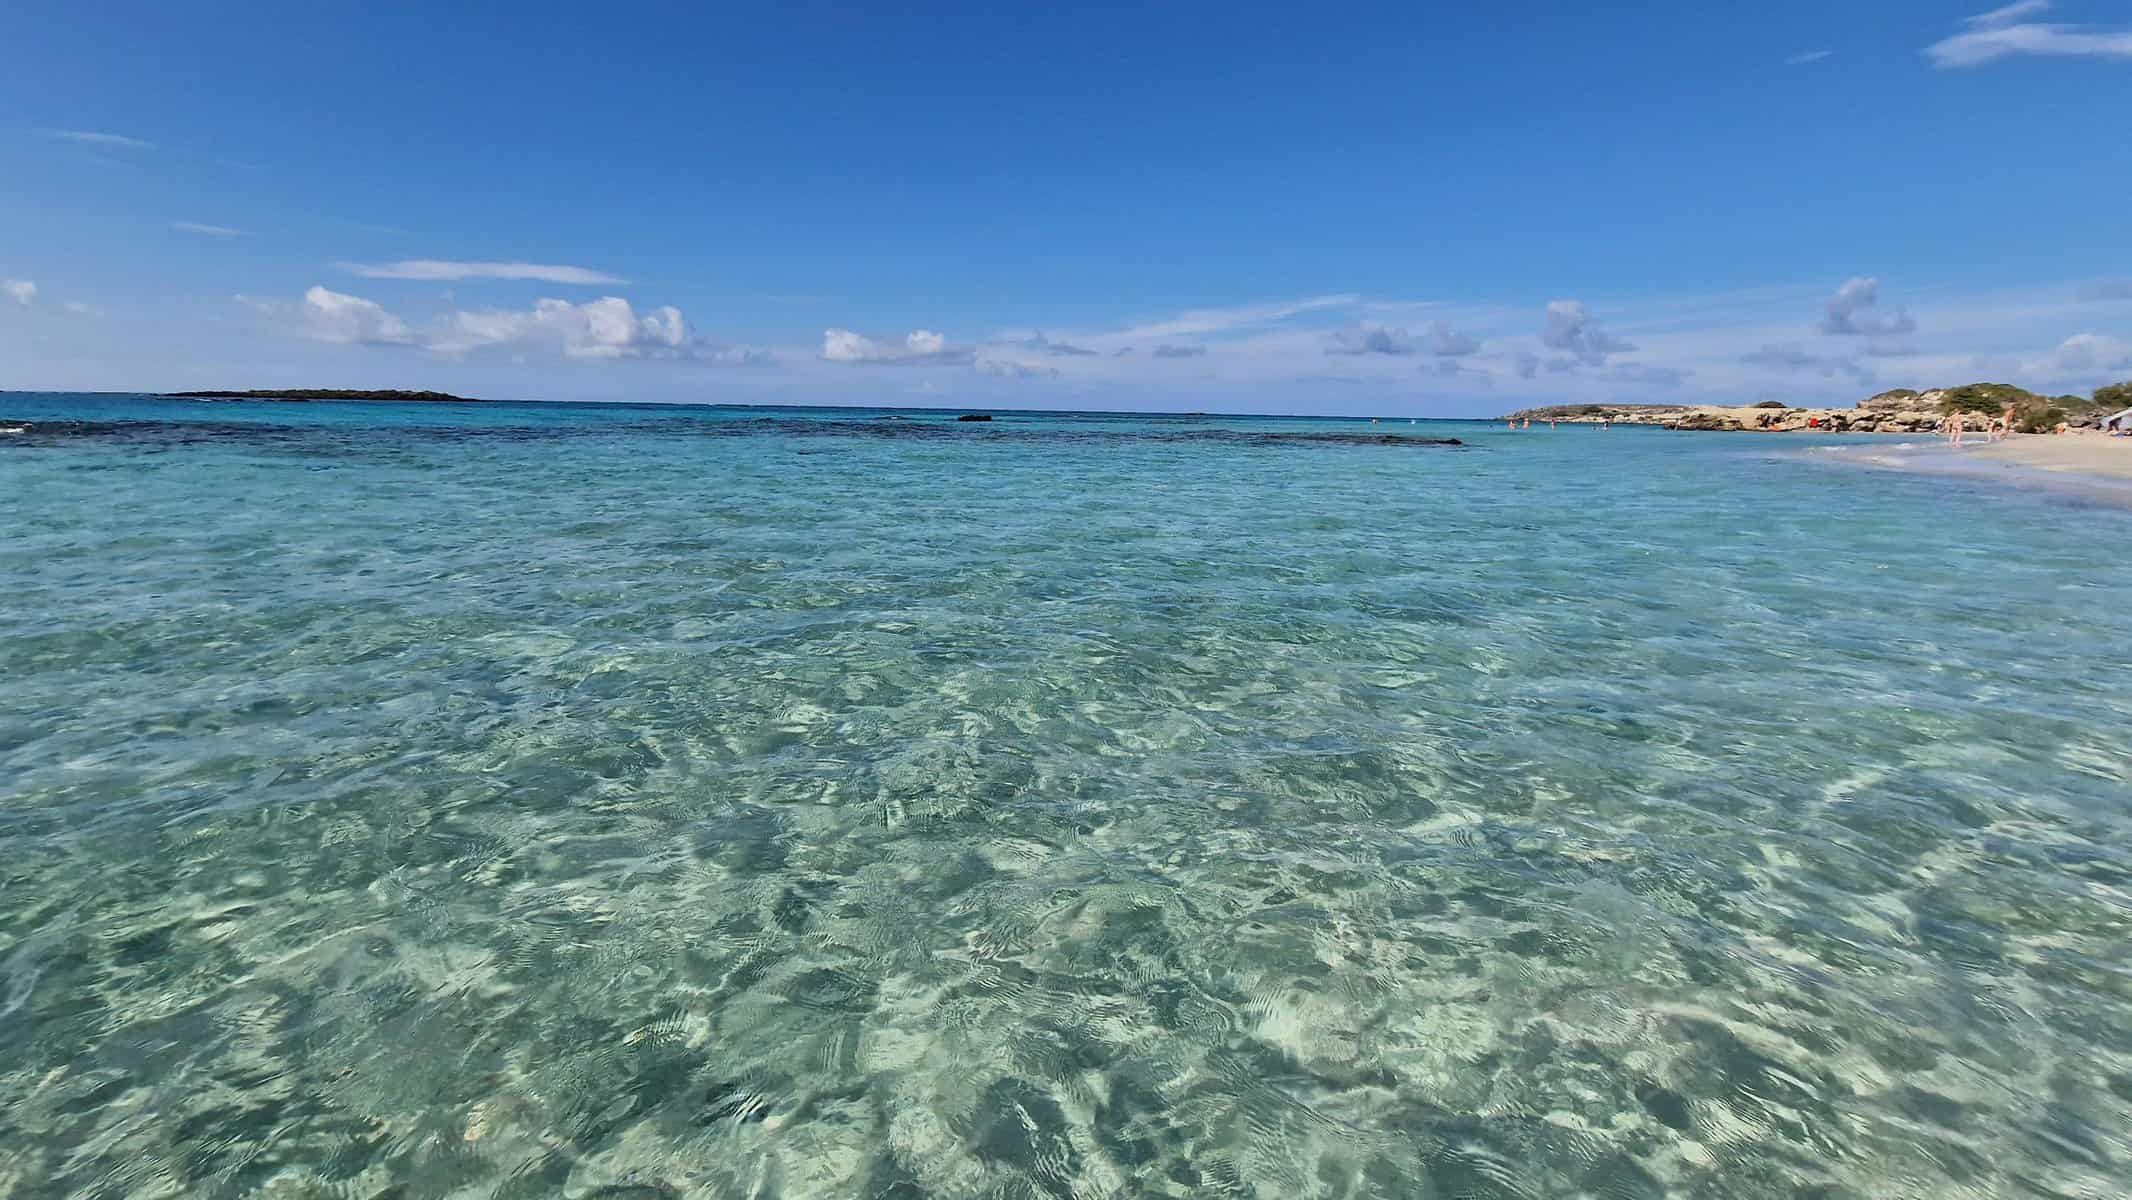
1015 370
1811 56
1849 313
1730 347
1790 356
349 320
208 230
21 291
1570 327
2093 352
606 328
80 309
1996 35
1446 342
918 348
1438 339
438 270
1451 368
2010 14
1649 375
1366 338
91 138
1043 345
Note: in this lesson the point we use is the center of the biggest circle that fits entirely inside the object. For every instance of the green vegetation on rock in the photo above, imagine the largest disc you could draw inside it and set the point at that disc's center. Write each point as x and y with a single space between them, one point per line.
1897 410
1989 398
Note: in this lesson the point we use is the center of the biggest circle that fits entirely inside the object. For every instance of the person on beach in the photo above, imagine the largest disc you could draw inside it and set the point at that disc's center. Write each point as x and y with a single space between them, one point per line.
1952 427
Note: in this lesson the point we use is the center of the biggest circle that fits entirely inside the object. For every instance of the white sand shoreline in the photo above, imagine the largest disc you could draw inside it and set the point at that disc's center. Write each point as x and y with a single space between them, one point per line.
2078 453
2090 466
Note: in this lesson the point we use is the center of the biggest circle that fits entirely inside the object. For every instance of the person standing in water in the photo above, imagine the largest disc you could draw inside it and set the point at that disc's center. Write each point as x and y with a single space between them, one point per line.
1955 427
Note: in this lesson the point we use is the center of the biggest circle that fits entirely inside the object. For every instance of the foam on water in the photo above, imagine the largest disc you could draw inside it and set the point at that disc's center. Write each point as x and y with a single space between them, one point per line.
613 802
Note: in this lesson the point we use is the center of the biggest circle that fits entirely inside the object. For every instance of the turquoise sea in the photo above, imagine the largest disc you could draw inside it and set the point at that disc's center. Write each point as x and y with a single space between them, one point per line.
410 801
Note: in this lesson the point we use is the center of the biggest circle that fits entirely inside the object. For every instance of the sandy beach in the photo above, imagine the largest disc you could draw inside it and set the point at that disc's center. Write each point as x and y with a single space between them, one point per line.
2082 453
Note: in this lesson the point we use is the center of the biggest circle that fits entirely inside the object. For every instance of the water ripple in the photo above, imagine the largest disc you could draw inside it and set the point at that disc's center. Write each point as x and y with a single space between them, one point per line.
628 803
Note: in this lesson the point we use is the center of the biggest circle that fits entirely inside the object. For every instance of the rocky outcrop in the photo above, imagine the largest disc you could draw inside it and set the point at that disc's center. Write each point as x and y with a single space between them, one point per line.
1900 410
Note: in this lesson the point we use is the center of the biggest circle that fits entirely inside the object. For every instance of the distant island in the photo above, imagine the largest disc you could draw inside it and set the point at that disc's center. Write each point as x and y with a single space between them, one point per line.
300 394
1900 410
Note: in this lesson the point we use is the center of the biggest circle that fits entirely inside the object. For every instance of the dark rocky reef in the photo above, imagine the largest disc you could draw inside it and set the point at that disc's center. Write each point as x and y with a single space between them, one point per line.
302 394
975 417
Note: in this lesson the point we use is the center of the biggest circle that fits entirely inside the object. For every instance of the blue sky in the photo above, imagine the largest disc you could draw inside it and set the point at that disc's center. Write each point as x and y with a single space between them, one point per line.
1390 209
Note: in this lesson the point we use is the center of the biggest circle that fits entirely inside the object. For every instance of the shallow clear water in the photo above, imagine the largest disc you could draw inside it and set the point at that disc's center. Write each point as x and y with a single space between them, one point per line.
525 801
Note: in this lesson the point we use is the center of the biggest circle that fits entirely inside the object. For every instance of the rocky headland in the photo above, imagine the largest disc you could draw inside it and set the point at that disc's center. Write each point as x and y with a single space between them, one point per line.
1898 411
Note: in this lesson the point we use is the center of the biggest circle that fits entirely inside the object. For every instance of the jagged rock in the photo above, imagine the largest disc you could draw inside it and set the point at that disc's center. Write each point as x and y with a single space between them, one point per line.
1898 410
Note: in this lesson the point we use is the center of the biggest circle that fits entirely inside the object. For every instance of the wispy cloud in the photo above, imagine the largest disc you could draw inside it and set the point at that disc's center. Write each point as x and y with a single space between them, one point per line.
2002 33
920 347
21 291
1009 369
206 230
1169 351
1223 320
89 137
82 309
2116 290
440 270
2019 10
1811 56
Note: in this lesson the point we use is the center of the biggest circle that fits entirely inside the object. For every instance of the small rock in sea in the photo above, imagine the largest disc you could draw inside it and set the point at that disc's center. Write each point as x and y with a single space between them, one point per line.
975 417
